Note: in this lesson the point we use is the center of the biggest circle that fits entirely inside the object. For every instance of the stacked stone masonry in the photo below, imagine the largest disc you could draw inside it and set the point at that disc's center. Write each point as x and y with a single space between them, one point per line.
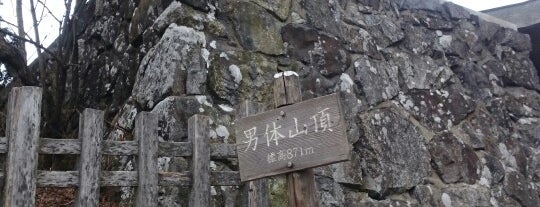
442 107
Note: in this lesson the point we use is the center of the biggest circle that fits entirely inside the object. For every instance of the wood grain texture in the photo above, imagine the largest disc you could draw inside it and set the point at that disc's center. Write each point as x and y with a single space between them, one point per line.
129 178
59 146
309 134
286 89
146 125
302 189
3 144
57 178
198 128
118 178
22 131
280 95
124 148
175 149
174 178
301 184
91 134
255 191
119 148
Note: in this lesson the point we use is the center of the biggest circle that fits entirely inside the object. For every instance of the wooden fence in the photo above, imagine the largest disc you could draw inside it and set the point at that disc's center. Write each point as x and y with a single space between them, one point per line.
22 145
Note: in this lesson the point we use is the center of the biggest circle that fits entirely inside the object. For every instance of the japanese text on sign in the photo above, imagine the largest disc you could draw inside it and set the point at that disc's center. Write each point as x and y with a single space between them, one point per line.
294 137
321 123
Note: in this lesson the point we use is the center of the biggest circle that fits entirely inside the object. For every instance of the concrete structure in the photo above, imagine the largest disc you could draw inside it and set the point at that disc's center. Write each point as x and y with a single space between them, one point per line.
522 14
526 16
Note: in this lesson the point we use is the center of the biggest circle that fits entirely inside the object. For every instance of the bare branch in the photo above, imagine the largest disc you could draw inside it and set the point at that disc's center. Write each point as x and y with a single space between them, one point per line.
35 24
52 54
48 10
41 66
9 23
15 26
20 24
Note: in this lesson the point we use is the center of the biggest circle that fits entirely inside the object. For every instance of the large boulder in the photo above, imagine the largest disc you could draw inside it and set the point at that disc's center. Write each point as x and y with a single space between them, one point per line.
420 72
321 51
453 160
466 195
378 79
164 69
393 154
257 30
438 109
235 76
280 8
521 189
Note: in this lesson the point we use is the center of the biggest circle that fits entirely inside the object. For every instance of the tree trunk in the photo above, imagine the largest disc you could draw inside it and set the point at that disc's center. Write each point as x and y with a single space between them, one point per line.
20 27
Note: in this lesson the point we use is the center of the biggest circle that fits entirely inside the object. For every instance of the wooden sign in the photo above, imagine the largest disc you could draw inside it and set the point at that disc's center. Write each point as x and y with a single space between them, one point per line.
295 137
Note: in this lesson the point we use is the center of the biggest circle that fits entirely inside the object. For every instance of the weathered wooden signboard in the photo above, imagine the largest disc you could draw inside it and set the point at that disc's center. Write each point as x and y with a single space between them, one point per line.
300 136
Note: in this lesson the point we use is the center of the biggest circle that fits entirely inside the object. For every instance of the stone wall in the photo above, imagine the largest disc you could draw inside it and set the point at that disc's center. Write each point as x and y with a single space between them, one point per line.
443 108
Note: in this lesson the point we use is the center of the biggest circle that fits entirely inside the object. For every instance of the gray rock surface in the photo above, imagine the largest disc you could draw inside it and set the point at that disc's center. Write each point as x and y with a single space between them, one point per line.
442 108
438 109
392 152
256 29
520 188
466 195
427 195
164 69
452 160
378 79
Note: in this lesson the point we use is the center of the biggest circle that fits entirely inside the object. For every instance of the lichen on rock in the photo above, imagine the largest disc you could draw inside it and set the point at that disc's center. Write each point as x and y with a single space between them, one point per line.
164 69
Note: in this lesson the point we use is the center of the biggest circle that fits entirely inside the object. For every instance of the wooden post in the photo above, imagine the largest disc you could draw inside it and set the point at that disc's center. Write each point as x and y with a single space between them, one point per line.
91 134
256 191
22 131
301 184
146 125
198 128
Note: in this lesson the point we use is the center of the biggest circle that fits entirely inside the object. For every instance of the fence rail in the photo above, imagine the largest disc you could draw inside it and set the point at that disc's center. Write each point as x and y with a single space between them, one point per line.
22 146
124 148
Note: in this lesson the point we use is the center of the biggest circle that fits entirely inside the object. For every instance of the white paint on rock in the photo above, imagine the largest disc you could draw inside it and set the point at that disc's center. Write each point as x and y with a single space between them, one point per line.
236 74
202 100
205 55
224 55
346 82
212 134
286 73
222 131
225 107
447 202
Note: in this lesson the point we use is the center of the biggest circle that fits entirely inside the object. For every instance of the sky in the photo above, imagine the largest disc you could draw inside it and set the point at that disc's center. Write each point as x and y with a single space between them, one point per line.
49 26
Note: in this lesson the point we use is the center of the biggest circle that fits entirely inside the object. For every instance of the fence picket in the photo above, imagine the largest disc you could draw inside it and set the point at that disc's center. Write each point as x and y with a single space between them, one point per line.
198 127
22 146
255 191
91 134
146 125
23 121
